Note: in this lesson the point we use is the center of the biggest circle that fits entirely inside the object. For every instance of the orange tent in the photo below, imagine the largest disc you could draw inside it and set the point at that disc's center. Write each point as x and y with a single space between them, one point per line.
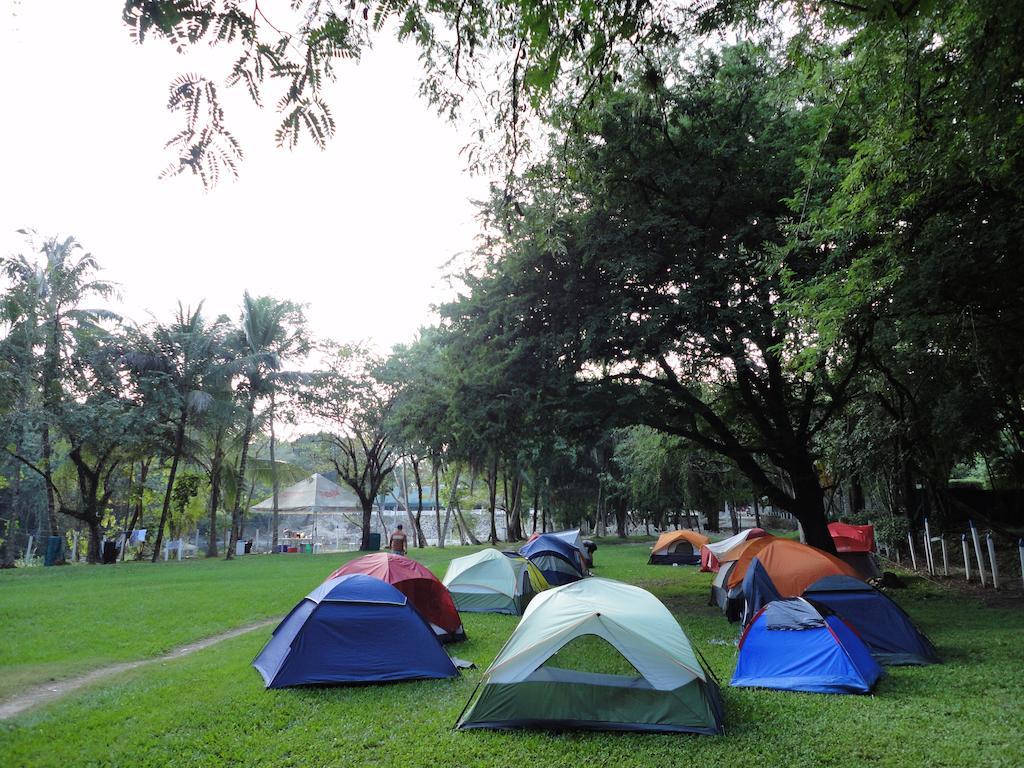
792 566
678 547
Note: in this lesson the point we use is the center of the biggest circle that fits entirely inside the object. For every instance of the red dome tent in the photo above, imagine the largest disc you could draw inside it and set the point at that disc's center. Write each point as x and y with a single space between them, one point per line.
855 545
426 593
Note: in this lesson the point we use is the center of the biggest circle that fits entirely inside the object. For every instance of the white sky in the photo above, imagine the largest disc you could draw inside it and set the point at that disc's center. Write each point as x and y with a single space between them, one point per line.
358 232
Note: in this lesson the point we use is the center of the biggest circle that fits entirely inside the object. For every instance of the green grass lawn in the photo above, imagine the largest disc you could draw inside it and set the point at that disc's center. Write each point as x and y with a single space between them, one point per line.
59 621
210 709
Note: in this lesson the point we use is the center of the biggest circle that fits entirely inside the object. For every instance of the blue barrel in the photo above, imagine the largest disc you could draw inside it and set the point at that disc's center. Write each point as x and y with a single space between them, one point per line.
54 550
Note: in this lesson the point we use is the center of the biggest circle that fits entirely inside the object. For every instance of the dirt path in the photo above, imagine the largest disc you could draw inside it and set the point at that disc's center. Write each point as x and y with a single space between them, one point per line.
56 689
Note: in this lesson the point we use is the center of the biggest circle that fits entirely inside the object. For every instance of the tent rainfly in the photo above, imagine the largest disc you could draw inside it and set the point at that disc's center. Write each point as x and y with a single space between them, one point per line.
414 580
489 581
670 692
352 629
792 645
855 544
557 559
711 555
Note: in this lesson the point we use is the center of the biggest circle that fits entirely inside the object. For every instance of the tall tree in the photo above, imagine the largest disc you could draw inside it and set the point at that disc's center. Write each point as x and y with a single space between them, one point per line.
640 259
352 399
180 357
270 332
49 293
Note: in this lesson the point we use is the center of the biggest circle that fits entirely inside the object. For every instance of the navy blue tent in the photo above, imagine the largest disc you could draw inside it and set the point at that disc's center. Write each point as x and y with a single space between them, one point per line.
757 589
352 629
791 645
880 622
559 561
883 626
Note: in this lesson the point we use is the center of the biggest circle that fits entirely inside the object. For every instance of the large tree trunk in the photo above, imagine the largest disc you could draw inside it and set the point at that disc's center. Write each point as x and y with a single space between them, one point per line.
710 510
513 506
435 466
273 480
757 511
95 541
240 482
51 399
536 501
808 507
367 505
421 540
216 467
620 518
492 488
51 506
856 495
179 442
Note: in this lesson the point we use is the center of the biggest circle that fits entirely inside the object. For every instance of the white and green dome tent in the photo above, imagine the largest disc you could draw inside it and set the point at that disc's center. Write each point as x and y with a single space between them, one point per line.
491 582
666 688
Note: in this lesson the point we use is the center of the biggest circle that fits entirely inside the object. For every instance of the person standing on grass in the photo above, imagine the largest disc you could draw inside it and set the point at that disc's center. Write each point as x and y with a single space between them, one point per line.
398 541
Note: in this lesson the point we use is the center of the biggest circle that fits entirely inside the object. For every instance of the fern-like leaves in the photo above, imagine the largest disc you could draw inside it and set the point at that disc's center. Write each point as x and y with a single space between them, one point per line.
204 146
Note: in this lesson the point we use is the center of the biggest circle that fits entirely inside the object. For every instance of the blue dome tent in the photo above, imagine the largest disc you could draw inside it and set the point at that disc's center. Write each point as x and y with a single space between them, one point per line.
558 560
791 645
352 629
888 632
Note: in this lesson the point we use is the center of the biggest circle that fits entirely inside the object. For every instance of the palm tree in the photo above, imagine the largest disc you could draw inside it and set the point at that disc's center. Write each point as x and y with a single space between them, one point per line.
49 294
181 357
271 331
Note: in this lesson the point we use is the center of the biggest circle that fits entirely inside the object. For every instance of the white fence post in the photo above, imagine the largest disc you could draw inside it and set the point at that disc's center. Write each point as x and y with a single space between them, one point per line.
74 546
28 548
977 553
913 554
992 560
967 558
929 562
1020 549
256 542
945 556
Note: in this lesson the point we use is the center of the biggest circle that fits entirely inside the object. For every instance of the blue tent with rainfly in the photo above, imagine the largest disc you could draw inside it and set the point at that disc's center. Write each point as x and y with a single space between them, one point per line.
557 559
352 629
792 645
885 628
887 631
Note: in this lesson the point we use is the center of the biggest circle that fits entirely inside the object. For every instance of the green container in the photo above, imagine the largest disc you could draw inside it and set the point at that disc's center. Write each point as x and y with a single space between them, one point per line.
54 550
374 543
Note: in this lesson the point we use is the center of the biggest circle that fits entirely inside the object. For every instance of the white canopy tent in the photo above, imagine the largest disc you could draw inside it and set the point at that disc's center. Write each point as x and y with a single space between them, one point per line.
313 495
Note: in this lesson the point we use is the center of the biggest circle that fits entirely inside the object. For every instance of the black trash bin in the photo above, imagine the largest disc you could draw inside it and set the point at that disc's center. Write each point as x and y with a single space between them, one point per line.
109 552
374 543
